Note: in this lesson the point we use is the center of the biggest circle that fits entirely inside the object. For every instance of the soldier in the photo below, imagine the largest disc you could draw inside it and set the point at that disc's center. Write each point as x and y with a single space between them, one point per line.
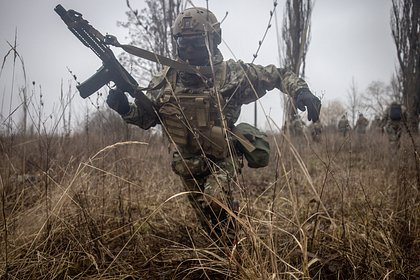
361 124
316 130
377 125
393 119
297 126
344 125
198 113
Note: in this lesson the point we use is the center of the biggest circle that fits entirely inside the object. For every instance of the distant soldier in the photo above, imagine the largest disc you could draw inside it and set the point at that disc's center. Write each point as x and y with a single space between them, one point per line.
361 124
297 125
377 125
393 119
316 129
344 126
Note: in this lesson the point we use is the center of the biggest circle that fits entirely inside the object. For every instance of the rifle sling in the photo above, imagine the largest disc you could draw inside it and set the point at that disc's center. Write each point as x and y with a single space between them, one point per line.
180 66
202 70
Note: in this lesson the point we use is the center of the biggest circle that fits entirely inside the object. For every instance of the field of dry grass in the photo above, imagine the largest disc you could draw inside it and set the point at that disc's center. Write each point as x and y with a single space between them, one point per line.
106 206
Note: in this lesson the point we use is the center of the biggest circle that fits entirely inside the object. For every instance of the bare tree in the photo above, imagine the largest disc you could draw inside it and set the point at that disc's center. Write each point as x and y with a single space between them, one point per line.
376 97
331 112
396 88
405 25
353 101
296 34
296 38
150 29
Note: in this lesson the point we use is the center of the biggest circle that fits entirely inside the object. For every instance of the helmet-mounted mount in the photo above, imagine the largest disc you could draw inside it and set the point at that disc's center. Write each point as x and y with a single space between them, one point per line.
197 21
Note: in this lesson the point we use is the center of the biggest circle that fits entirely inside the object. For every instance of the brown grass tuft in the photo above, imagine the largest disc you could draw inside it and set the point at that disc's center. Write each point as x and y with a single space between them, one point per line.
339 209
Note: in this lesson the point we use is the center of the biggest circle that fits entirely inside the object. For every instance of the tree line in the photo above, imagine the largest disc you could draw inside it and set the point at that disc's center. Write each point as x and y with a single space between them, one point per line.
150 28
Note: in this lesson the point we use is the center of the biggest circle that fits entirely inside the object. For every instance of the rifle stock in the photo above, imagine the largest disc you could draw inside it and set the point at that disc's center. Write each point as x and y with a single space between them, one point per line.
111 69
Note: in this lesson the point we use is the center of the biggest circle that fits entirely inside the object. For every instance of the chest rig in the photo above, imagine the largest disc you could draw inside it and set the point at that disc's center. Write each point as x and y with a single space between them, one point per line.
191 116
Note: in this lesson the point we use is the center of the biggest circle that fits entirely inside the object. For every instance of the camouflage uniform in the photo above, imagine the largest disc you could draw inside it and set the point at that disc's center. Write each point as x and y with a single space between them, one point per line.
198 113
377 125
316 131
297 126
343 126
394 127
188 110
361 124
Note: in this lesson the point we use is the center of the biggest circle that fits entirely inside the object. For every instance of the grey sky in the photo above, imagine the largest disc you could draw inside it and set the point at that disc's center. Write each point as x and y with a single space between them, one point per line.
350 39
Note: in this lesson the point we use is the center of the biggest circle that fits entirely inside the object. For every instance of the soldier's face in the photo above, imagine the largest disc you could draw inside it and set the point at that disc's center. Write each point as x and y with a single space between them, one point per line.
193 50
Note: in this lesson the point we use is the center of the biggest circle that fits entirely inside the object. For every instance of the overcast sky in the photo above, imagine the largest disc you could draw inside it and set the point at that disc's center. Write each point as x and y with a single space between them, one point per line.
349 39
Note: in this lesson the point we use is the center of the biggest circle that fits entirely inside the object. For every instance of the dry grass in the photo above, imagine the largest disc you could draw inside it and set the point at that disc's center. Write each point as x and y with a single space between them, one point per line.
339 209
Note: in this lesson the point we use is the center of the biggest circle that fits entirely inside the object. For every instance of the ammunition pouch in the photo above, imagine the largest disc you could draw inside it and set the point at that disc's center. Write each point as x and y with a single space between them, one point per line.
173 123
259 156
192 122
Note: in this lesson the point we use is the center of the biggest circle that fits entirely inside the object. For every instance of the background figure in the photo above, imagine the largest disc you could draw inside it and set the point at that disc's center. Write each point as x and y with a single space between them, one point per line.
361 124
316 130
394 118
344 126
297 126
377 125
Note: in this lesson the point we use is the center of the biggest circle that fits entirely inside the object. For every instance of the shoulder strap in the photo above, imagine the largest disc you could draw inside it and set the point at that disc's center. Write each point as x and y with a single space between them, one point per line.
221 74
157 81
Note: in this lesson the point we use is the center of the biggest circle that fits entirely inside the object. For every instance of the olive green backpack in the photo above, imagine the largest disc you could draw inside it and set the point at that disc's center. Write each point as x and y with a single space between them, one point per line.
258 155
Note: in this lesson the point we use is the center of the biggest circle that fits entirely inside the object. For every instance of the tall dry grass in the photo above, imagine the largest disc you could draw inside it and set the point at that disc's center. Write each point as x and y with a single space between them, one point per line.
344 208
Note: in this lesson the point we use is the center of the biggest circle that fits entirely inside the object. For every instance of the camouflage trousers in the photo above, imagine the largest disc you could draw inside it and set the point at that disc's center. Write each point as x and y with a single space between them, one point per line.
209 187
344 131
393 129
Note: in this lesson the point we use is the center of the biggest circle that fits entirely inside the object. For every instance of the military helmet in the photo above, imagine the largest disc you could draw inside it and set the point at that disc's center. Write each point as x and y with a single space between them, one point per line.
197 21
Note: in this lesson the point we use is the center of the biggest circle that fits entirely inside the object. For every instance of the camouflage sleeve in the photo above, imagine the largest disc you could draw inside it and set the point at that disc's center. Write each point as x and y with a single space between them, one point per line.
291 83
137 115
255 80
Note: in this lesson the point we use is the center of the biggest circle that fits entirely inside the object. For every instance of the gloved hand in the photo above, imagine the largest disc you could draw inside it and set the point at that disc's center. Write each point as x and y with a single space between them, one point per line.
118 101
305 98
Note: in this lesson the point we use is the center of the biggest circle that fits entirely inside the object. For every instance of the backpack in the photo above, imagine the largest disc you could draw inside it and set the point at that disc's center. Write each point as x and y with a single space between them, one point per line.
259 155
395 112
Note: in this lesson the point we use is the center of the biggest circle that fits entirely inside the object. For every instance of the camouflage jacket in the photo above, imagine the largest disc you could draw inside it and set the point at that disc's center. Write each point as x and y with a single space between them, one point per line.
189 106
343 124
236 82
361 124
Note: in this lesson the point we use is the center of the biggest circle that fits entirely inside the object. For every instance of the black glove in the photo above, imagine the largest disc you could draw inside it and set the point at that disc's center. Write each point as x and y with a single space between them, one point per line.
305 98
118 101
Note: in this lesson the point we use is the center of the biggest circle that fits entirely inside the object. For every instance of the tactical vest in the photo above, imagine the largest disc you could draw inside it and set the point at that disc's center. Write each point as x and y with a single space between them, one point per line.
191 117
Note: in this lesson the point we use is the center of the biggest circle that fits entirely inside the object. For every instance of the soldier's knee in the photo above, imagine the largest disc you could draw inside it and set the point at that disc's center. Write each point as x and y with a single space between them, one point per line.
189 167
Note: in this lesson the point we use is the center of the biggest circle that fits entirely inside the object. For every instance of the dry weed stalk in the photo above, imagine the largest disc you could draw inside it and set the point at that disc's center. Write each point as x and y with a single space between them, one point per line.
323 211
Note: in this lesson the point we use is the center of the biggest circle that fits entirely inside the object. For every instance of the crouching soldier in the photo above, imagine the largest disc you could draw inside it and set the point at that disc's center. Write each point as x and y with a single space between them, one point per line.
198 113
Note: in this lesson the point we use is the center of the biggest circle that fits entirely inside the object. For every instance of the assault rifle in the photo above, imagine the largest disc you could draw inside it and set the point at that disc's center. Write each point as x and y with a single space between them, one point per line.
111 69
